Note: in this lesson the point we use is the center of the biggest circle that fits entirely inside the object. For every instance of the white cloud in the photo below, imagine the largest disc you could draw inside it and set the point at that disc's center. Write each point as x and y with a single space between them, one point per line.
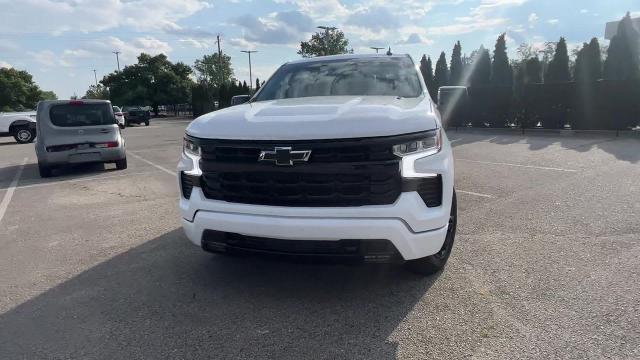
319 10
553 21
59 16
129 50
485 16
533 19
276 28
584 11
48 58
4 64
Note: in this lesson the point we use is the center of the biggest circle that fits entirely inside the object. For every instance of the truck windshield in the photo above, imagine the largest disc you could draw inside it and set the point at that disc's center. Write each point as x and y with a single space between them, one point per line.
392 76
68 115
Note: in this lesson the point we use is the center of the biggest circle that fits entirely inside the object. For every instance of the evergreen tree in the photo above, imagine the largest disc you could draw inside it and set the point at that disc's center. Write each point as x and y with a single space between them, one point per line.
480 69
558 69
245 88
426 68
456 65
588 62
501 71
441 77
533 71
257 84
622 58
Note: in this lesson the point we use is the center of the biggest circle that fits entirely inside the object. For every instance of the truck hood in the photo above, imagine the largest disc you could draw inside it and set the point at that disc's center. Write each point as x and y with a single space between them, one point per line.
325 117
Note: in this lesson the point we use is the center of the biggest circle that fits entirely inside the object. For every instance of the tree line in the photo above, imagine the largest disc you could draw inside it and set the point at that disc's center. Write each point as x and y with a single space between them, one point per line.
551 64
18 91
546 85
155 81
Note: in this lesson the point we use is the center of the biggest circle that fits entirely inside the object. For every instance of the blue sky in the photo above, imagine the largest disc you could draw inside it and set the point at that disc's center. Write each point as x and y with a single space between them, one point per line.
61 41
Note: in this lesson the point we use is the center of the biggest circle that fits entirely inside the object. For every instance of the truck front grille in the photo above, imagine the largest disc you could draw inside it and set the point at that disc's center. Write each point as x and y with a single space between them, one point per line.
370 185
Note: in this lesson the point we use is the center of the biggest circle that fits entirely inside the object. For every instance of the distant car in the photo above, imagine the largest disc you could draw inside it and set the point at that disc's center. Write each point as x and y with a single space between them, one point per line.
20 125
119 116
77 131
136 115
239 99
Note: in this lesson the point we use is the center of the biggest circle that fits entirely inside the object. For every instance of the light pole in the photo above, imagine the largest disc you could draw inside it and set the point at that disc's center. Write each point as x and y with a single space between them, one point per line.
95 76
376 48
326 36
117 58
249 52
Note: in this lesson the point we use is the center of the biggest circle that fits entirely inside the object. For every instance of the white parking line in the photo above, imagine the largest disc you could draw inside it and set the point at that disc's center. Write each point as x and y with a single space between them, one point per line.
91 178
517 165
454 140
474 193
12 188
153 164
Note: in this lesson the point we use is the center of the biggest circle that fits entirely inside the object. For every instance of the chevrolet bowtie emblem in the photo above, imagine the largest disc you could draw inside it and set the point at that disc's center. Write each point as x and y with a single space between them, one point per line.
284 156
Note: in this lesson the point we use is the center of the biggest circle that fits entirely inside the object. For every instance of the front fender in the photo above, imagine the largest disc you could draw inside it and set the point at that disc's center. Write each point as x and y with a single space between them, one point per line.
20 123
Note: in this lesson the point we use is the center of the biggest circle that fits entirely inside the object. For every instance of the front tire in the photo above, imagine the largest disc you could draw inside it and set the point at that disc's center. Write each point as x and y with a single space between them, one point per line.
121 164
45 171
24 135
146 122
432 264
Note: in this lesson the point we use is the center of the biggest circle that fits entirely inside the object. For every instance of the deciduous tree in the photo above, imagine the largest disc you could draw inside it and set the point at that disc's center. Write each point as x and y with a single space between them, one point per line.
328 42
19 92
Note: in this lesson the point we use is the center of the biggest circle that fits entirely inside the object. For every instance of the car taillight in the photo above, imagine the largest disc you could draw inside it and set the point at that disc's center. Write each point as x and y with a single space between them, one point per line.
110 144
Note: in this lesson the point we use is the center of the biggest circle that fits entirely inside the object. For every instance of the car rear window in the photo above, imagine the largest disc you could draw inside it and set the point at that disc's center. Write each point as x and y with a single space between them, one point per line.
67 115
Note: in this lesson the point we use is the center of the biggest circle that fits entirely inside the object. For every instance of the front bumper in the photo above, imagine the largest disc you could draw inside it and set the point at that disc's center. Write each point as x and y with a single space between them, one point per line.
414 229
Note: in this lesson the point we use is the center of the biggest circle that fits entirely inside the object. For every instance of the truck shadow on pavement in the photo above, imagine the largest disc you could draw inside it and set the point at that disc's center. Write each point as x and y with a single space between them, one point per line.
625 148
168 299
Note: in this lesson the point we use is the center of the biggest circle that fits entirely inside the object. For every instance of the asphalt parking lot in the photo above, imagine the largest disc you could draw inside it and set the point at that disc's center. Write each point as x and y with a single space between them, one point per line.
93 264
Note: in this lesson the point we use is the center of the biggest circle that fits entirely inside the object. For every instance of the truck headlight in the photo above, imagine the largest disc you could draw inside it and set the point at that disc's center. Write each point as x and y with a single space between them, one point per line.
192 151
430 144
190 148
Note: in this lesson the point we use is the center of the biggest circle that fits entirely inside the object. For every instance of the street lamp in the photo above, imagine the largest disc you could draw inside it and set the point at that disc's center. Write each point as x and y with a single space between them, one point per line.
249 52
376 48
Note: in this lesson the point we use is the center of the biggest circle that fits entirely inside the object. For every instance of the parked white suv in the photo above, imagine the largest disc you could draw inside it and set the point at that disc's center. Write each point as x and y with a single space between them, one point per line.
340 157
20 125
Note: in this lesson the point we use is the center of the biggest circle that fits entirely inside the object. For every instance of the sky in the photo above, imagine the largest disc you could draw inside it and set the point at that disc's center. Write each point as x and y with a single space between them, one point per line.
61 42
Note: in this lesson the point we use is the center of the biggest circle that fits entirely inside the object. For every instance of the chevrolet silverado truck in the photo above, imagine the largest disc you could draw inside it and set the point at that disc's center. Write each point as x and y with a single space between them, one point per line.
339 157
20 125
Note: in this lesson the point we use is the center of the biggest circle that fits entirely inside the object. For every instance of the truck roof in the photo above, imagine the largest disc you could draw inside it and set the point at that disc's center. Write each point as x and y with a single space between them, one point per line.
348 56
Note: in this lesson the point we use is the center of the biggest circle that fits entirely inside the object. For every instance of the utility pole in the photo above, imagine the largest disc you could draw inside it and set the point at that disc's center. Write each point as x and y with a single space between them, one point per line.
220 59
95 76
117 58
376 48
326 37
249 52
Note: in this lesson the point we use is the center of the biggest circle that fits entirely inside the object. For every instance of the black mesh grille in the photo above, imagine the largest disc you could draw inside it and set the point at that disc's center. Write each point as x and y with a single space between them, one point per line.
186 184
368 186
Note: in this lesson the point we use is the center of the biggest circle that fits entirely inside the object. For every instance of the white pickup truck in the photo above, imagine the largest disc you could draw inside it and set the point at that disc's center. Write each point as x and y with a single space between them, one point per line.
20 125
338 157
